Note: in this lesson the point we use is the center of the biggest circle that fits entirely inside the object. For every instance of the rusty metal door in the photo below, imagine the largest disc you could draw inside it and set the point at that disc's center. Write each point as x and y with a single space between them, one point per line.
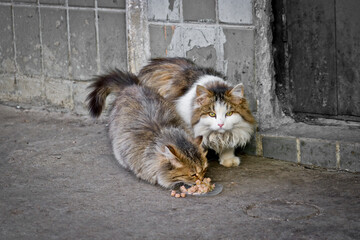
317 57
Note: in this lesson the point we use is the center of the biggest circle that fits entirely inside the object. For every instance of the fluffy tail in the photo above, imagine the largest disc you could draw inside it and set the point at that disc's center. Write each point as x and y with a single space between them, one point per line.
103 85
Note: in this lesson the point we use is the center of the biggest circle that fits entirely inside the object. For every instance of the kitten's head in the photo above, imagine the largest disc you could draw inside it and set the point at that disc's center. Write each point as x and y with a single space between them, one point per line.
184 161
219 107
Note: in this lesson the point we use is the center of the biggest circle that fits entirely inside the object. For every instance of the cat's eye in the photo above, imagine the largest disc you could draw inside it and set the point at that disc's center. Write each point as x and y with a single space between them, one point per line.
228 114
212 114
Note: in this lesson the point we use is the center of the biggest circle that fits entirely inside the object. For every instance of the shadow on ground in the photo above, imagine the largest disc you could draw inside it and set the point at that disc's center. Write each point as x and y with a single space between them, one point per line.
59 180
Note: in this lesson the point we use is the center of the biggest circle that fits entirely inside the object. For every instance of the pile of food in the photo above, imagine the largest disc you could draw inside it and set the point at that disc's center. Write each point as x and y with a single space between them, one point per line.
200 187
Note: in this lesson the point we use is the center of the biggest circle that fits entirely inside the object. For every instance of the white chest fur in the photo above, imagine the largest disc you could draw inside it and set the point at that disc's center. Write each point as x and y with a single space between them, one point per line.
236 131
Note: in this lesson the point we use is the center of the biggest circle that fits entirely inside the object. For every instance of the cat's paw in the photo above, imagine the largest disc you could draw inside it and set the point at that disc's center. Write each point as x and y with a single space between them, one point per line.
230 162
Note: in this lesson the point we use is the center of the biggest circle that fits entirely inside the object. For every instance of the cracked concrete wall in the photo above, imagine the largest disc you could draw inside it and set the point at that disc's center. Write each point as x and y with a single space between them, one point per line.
138 34
50 49
269 112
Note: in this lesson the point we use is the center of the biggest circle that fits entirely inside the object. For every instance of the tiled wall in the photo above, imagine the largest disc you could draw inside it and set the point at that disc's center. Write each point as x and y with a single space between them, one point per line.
213 33
50 48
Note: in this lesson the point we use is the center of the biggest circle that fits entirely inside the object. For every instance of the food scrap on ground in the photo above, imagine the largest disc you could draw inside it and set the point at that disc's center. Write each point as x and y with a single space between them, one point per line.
201 187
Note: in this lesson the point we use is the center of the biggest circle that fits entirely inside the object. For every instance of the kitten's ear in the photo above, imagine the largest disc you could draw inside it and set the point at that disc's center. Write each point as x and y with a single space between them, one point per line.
198 140
206 152
201 90
172 155
202 94
237 93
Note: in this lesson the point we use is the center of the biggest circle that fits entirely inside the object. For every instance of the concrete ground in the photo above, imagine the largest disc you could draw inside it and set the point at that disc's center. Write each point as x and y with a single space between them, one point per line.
59 180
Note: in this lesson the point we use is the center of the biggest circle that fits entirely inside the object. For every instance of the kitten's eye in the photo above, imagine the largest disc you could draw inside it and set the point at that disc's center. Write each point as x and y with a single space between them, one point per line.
228 114
211 114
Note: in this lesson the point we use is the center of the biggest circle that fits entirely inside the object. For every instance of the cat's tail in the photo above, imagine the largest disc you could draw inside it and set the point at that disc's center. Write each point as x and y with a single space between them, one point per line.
103 85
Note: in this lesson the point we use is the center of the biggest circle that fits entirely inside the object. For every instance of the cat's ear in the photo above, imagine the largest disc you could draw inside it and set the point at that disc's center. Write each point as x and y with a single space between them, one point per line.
237 93
202 94
206 152
198 140
201 91
172 155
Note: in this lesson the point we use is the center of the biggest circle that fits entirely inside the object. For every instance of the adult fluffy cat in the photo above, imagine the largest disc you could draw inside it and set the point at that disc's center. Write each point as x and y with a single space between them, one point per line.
146 133
212 107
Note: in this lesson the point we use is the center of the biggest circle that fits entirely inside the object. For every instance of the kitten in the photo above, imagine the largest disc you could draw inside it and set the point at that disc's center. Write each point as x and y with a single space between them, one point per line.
211 106
146 133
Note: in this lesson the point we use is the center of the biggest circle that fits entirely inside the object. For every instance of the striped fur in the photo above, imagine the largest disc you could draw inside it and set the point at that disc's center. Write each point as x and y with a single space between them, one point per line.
146 133
172 77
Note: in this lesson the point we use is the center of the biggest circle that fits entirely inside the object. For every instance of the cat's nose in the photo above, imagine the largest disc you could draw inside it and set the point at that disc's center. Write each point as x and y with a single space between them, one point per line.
220 125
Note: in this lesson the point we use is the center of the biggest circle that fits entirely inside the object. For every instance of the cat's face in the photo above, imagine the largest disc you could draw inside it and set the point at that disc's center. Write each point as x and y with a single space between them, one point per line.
188 173
220 108
186 163
220 117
